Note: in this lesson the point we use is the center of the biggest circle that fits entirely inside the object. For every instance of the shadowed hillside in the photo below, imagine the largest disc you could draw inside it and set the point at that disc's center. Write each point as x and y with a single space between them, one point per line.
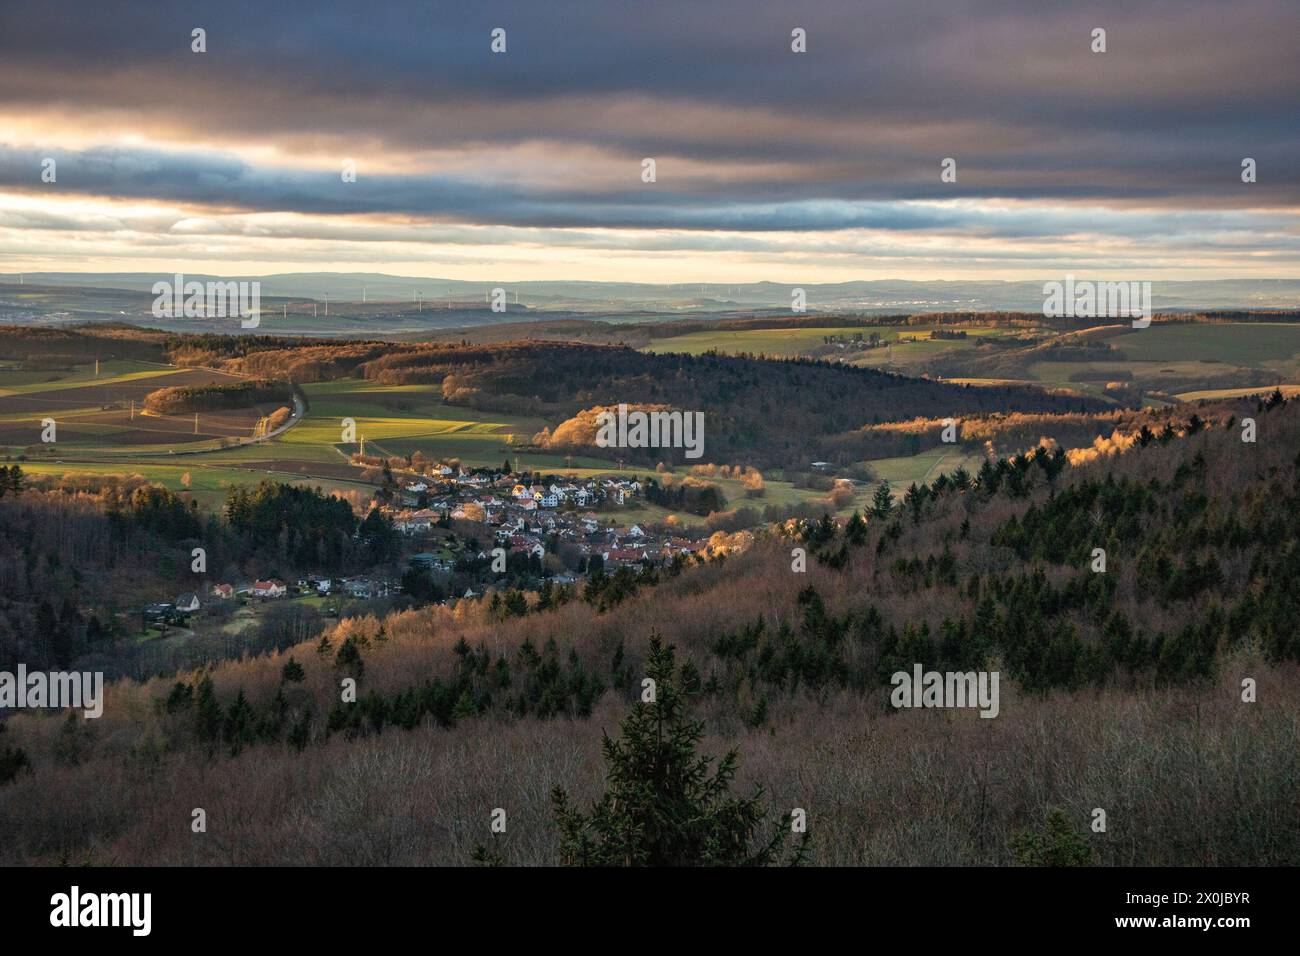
1122 688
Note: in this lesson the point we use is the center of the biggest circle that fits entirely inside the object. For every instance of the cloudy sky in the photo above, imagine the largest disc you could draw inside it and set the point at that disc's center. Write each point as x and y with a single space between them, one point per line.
770 164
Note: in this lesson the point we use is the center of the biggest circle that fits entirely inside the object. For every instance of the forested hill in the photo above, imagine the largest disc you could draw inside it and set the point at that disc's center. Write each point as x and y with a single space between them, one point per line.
756 412
1114 677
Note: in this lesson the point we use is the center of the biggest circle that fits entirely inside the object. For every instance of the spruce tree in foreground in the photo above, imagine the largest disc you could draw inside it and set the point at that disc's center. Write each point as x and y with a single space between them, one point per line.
663 805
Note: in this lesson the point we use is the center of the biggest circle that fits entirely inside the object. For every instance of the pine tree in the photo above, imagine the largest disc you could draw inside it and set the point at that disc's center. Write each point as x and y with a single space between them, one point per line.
348 660
1055 843
855 531
292 672
13 760
915 498
208 717
239 724
664 804
882 503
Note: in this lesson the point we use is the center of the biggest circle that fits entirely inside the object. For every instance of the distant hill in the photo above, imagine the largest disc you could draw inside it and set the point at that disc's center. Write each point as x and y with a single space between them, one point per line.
886 295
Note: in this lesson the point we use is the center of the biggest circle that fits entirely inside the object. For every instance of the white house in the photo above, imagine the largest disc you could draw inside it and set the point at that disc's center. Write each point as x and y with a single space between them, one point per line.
187 603
268 589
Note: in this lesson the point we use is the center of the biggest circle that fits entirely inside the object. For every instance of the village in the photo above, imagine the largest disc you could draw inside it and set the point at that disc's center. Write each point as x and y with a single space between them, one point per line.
463 531
573 522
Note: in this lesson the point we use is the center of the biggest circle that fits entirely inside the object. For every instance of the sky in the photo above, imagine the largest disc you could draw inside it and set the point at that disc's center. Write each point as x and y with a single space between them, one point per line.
769 164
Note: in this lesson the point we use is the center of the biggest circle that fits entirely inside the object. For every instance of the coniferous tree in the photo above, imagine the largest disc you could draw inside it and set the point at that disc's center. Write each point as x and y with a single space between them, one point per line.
208 716
239 724
292 672
882 503
855 531
348 660
13 760
1055 843
664 803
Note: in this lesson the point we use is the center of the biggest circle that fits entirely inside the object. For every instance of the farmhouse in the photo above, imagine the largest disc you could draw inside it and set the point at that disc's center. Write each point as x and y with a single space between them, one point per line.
187 603
268 589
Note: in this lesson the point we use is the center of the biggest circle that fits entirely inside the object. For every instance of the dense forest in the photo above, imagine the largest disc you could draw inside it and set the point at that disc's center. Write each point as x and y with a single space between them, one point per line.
1140 589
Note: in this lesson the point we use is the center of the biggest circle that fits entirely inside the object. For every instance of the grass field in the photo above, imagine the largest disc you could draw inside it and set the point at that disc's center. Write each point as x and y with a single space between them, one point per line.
1170 357
925 467
104 407
1264 345
910 342
393 420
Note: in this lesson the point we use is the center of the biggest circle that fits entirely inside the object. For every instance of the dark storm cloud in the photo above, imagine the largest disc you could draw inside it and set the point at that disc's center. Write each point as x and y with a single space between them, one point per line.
1010 89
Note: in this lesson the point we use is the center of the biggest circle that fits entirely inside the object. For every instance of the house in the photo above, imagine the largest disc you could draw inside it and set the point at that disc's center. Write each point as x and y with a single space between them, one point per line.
268 589
159 612
417 487
187 603
624 555
441 561
360 588
223 591
682 546
635 532
416 522
521 546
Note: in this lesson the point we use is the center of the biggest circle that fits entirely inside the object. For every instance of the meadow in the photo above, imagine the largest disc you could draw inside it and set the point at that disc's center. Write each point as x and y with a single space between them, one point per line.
103 406
97 436
1190 361
909 342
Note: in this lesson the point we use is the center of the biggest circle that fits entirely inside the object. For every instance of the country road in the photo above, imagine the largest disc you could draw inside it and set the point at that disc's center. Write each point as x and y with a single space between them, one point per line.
299 411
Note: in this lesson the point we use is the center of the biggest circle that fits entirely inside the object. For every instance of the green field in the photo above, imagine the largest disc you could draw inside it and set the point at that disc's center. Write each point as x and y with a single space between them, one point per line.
14 381
925 467
399 420
1264 345
1168 357
910 341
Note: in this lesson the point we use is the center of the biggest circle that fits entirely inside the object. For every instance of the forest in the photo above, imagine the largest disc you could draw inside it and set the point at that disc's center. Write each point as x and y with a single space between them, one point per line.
499 700
213 398
70 563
